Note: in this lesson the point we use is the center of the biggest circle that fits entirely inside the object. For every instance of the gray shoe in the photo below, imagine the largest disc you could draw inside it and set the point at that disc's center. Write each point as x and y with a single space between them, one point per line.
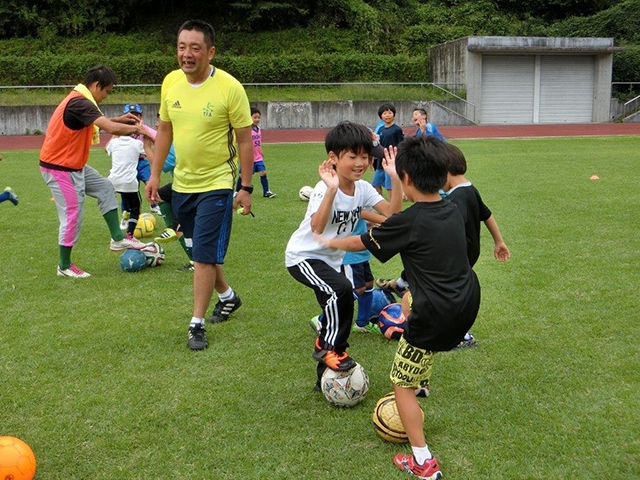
197 339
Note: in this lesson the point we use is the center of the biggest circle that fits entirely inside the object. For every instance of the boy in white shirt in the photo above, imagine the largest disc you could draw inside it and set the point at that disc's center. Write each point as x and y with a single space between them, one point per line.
334 210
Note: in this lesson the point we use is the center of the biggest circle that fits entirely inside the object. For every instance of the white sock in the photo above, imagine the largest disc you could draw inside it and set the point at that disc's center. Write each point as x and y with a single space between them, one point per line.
196 321
226 296
401 283
421 454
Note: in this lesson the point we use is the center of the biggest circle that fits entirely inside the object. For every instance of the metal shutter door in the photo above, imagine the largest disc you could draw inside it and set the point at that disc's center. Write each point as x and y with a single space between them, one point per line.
507 89
566 89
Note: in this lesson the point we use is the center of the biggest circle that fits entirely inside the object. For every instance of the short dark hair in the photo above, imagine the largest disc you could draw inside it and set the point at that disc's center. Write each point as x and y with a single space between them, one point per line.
385 107
101 74
421 110
348 136
457 162
424 161
254 110
203 27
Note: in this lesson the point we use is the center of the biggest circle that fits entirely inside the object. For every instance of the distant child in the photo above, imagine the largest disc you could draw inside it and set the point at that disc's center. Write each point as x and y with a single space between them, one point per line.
425 128
444 291
124 152
390 136
258 156
333 211
8 194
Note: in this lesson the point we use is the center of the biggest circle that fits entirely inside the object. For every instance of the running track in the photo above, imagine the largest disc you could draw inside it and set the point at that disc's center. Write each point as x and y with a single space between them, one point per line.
10 142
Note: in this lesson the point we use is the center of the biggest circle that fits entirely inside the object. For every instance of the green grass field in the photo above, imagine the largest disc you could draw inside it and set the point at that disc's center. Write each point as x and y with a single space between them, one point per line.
96 376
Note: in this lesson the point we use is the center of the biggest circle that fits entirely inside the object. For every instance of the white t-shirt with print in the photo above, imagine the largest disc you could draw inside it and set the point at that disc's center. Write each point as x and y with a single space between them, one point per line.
342 221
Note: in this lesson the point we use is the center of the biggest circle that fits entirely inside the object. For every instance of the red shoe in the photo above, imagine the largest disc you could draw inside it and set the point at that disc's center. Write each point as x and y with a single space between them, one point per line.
340 362
429 471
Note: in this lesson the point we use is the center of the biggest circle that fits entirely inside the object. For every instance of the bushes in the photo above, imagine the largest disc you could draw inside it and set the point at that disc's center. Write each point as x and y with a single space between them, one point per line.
140 69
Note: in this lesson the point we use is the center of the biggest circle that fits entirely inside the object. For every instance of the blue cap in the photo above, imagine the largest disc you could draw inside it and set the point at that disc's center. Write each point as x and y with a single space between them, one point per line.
132 108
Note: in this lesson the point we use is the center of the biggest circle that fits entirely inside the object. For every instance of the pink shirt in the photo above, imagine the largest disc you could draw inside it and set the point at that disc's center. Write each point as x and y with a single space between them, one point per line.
256 138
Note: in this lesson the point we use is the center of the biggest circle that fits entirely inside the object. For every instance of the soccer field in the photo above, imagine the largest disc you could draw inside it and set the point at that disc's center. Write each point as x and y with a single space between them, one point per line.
96 377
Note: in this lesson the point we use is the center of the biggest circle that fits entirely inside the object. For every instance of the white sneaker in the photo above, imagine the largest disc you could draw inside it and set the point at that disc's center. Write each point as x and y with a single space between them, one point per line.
126 242
73 272
155 209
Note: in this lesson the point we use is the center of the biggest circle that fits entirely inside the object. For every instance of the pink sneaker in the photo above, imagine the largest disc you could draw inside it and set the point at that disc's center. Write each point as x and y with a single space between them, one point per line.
73 272
429 471
127 242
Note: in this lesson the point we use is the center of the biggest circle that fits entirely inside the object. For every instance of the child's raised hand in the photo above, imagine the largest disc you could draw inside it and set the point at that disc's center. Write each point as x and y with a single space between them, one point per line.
389 160
328 174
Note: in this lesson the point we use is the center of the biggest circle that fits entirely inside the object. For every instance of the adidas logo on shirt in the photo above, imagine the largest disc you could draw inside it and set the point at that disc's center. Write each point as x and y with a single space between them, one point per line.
176 104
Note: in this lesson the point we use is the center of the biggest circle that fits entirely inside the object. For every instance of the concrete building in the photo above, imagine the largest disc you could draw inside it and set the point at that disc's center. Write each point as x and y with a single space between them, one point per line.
521 80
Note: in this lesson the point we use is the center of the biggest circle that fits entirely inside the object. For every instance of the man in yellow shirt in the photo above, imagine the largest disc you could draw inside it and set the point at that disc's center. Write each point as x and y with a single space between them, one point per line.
205 112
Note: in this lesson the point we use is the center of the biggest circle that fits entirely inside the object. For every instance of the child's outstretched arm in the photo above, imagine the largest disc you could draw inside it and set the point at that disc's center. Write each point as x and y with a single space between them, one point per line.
500 251
348 244
148 143
394 204
329 176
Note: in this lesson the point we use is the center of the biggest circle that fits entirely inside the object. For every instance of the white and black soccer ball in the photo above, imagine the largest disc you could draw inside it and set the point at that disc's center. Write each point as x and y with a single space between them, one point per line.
154 253
305 193
345 389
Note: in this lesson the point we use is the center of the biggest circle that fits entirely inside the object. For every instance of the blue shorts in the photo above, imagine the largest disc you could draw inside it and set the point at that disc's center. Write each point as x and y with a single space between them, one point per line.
359 274
381 179
259 166
205 219
144 170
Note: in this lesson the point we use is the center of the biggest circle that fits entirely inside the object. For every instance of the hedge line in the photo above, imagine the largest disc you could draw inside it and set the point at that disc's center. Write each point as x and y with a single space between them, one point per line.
140 68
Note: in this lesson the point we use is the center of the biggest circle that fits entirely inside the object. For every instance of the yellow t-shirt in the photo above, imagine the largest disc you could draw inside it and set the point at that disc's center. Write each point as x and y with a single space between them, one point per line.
203 119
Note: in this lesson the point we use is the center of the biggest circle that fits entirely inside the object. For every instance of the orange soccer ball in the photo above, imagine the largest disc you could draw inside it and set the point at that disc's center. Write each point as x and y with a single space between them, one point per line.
17 461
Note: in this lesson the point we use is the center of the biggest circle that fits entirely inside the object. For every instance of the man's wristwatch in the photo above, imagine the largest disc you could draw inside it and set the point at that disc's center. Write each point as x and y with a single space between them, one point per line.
247 188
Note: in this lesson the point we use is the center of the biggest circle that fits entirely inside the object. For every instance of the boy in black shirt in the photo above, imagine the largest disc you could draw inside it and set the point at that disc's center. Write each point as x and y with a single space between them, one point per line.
445 293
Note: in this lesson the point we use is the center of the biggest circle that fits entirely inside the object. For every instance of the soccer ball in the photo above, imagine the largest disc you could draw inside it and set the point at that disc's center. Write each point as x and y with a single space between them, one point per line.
154 254
379 300
392 322
305 193
345 389
386 420
17 461
145 227
133 260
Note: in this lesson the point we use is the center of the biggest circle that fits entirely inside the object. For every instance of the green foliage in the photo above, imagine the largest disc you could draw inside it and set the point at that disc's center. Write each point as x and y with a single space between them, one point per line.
555 9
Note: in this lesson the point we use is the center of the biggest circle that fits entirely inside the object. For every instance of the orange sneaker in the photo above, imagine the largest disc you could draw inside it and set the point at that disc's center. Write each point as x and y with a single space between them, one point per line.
429 471
340 362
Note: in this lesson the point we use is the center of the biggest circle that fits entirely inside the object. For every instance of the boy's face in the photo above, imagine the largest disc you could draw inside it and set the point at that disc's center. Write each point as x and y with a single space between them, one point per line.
418 116
387 116
350 165
256 119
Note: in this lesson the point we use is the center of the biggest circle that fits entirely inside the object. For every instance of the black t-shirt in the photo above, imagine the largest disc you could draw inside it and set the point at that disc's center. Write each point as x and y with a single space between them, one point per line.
80 113
474 212
389 137
430 238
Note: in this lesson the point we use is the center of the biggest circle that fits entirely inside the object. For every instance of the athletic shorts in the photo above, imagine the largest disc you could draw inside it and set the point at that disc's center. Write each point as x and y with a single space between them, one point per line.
359 274
144 170
205 220
259 166
412 366
381 179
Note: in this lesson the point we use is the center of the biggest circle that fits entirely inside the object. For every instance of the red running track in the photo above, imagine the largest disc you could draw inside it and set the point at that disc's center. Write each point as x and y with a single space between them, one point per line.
22 142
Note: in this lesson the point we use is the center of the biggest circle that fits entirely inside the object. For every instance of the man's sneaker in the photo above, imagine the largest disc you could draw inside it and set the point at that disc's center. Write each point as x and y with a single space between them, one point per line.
222 310
187 267
269 194
368 328
391 285
468 342
340 362
169 235
13 198
423 392
155 209
429 471
73 272
314 323
197 339
127 242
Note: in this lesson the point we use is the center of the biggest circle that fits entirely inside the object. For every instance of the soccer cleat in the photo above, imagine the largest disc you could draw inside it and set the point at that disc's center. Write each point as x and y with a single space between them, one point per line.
187 267
339 362
368 328
169 235
73 272
467 342
13 198
222 310
125 220
429 471
315 325
155 209
390 285
197 339
127 242
269 194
